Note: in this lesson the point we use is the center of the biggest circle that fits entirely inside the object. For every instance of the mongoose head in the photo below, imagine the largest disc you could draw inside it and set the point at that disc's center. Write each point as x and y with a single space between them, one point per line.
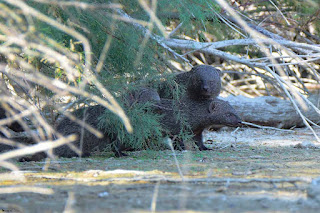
147 94
204 83
142 95
223 114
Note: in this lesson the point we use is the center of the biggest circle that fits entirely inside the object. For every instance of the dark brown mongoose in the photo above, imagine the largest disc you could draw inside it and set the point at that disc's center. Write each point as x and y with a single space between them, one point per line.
91 116
201 82
142 95
90 141
197 116
199 106
15 126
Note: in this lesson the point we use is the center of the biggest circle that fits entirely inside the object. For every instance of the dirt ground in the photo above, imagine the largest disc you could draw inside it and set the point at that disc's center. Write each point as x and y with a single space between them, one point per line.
249 170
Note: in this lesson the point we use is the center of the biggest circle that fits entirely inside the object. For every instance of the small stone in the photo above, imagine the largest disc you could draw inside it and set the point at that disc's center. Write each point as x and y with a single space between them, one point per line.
103 194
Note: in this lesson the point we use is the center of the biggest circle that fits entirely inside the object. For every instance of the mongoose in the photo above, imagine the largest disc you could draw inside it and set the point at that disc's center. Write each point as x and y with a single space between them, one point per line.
4 147
201 82
91 116
66 127
197 115
199 106
90 141
142 95
15 126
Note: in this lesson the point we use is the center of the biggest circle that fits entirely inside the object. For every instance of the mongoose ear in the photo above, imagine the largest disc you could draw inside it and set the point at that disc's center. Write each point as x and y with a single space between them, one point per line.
193 79
211 107
219 71
193 69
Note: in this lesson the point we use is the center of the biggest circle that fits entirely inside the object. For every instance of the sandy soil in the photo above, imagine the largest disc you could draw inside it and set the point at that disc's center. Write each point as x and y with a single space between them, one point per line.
249 170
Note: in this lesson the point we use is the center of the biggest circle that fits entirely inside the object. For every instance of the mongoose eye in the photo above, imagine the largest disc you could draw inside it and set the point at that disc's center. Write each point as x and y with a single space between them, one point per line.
212 83
212 107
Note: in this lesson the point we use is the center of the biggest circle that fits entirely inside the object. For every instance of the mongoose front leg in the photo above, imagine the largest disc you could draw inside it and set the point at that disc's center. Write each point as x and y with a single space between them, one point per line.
198 140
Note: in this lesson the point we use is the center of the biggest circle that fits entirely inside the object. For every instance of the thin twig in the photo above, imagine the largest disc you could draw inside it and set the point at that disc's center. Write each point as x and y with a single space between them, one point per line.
266 127
82 5
169 142
155 197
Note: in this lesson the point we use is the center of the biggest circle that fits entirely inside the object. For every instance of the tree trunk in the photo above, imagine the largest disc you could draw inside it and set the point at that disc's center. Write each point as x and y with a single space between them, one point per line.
272 111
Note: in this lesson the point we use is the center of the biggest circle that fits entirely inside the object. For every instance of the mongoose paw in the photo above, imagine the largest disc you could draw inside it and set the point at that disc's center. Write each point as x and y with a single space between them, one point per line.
202 147
119 154
36 157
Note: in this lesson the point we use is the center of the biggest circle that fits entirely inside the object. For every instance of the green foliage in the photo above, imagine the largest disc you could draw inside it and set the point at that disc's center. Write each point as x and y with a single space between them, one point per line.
122 58
185 135
148 133
126 61
146 124
167 86
191 13
47 30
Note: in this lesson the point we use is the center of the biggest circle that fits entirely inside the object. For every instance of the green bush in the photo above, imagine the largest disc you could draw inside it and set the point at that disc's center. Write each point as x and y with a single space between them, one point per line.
148 133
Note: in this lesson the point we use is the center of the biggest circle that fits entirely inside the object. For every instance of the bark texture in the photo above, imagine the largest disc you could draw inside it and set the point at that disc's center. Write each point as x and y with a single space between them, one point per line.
272 111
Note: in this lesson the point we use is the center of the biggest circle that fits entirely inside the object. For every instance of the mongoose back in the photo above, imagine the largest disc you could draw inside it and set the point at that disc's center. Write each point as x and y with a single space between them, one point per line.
86 140
15 126
91 116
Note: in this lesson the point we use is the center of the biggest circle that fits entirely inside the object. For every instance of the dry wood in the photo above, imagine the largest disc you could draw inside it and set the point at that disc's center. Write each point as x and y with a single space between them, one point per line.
272 111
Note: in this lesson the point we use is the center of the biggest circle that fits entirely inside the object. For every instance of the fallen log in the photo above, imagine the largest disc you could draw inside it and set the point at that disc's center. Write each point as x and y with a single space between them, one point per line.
272 111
